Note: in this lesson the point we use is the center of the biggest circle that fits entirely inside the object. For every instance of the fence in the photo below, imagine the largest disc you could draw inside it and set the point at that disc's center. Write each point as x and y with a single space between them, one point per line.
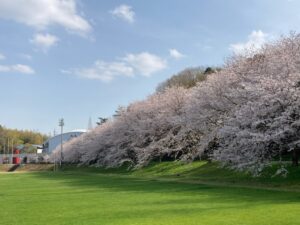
24 158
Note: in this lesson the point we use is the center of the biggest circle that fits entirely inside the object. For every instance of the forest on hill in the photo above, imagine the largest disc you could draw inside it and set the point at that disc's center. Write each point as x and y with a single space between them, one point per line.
244 115
14 137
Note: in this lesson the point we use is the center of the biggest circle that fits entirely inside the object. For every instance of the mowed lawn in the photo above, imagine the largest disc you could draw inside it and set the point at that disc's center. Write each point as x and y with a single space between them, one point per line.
89 198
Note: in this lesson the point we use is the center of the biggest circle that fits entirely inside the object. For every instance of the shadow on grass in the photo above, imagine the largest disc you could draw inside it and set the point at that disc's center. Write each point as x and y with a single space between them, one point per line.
117 196
213 173
191 193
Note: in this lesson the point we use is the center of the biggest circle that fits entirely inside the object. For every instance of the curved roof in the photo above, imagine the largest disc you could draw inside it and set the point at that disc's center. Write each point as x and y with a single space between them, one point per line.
66 133
80 130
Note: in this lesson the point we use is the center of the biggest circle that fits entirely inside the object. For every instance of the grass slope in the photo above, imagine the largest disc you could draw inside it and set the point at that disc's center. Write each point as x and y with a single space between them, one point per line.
149 196
27 167
206 173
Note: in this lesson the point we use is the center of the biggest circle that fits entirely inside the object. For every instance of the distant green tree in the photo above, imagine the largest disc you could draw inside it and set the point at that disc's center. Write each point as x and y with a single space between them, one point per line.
101 121
209 70
19 137
187 78
119 111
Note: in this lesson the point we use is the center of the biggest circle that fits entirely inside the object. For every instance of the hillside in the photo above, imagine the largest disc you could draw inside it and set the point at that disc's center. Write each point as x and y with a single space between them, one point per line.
243 116
203 172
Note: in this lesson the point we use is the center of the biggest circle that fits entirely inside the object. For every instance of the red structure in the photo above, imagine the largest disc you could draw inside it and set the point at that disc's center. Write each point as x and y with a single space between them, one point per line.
16 159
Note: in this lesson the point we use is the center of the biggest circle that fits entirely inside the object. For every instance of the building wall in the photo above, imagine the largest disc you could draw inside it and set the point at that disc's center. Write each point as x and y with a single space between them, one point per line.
53 142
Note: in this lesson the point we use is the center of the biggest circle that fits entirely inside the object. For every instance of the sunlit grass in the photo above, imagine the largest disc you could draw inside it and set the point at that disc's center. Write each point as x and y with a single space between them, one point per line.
97 196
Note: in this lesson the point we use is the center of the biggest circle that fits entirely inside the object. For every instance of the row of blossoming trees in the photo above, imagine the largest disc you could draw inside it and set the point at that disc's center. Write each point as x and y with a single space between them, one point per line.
243 116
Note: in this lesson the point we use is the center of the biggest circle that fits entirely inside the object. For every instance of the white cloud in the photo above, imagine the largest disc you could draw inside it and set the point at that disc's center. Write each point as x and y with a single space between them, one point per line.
144 64
18 68
4 68
105 71
25 56
2 57
41 14
44 41
65 71
124 12
255 41
23 69
174 53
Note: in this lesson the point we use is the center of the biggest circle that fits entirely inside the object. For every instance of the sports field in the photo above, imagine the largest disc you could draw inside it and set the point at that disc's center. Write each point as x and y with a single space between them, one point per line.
89 197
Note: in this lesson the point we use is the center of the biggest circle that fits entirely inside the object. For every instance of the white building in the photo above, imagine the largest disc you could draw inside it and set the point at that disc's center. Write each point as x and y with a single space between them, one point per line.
53 142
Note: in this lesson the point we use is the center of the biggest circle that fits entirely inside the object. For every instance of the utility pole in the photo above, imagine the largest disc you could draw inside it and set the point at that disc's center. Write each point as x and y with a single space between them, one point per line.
3 153
54 168
7 149
12 150
61 124
3 156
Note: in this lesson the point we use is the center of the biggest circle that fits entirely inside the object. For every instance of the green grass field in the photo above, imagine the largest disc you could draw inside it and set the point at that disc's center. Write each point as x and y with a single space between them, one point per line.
166 193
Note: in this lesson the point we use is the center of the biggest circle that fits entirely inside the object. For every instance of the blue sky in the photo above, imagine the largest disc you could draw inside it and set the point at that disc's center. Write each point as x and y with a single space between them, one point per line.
81 59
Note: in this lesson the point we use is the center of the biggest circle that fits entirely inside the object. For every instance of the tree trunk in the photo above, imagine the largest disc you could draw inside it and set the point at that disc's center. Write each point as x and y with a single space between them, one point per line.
295 157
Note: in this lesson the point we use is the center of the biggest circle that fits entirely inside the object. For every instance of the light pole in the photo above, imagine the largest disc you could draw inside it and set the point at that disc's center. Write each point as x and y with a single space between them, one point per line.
61 124
12 151
7 149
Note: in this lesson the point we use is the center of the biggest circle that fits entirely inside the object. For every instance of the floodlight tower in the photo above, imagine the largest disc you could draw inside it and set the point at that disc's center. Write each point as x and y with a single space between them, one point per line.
61 124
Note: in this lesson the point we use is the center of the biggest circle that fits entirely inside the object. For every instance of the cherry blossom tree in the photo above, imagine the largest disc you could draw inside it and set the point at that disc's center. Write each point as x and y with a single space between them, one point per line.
243 116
